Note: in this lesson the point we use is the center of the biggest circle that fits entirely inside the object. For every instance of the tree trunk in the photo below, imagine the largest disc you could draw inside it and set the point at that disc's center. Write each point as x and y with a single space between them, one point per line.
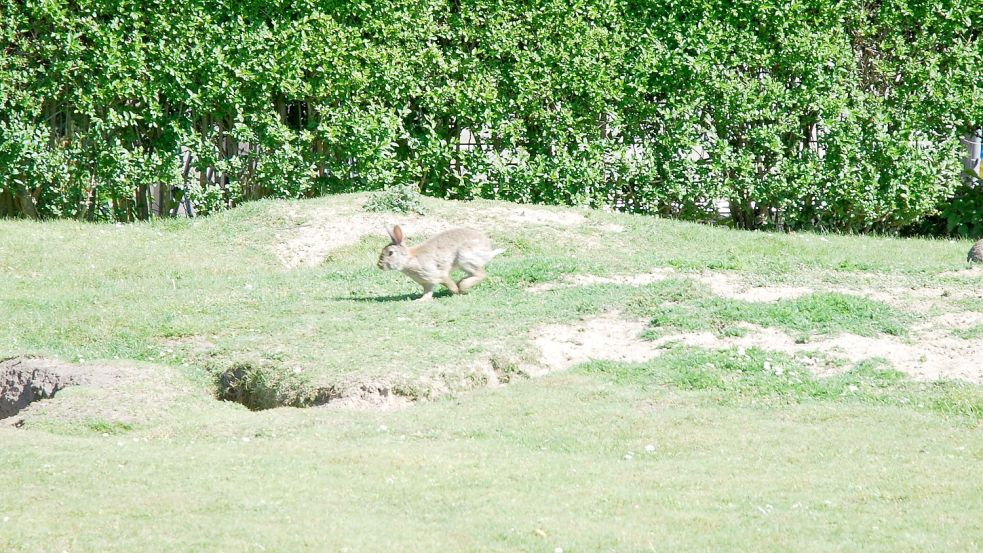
25 202
7 207
142 209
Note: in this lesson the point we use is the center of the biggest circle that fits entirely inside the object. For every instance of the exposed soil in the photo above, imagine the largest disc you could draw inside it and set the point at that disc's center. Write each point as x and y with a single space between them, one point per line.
932 353
972 272
312 234
608 337
24 380
732 286
528 215
117 392
588 280
261 387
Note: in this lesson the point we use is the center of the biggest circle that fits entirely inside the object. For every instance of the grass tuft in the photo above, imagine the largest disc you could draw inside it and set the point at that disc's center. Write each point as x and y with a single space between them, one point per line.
404 198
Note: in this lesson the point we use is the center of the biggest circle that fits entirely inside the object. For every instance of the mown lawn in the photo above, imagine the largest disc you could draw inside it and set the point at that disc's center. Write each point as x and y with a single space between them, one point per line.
693 450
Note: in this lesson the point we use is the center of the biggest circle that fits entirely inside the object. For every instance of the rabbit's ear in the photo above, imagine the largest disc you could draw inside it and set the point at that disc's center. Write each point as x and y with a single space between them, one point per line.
397 235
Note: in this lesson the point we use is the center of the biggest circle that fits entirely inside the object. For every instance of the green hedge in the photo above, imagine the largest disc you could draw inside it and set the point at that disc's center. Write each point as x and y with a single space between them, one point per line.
800 113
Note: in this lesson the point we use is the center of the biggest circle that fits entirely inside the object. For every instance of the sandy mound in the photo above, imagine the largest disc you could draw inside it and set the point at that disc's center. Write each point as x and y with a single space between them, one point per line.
128 392
24 380
310 234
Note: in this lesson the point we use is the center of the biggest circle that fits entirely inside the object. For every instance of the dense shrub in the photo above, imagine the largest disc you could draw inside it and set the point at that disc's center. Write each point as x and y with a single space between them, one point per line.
814 113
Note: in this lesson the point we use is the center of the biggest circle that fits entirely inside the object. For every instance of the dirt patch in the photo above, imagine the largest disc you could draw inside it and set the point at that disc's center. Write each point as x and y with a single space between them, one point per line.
972 272
932 353
369 395
734 287
570 281
311 234
24 380
116 392
609 337
930 356
195 346
261 387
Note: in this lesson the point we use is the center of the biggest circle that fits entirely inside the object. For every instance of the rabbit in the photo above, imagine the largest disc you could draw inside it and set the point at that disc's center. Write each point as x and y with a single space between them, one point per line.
976 253
430 263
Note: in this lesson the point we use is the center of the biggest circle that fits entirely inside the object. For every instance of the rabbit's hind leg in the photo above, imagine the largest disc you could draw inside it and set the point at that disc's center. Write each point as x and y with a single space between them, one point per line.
475 275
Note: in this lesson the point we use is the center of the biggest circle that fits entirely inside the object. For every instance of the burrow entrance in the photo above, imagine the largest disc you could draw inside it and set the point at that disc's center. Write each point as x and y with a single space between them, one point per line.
261 387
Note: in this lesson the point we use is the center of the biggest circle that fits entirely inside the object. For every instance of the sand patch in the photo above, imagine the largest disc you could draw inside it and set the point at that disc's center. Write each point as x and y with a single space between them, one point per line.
972 272
310 234
932 353
732 286
570 281
608 337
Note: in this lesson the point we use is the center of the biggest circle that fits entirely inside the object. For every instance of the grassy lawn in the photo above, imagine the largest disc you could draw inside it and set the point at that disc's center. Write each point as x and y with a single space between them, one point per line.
697 448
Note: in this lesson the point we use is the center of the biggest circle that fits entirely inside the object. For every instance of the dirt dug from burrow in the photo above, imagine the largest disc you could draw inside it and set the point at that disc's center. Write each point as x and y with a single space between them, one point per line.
24 380
931 353
311 234
33 387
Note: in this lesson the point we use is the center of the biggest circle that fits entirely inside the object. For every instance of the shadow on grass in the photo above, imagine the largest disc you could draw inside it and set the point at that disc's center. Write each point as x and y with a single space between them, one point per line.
400 297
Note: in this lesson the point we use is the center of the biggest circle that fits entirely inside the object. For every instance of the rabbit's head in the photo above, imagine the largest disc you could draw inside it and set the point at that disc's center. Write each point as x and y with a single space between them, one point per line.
395 256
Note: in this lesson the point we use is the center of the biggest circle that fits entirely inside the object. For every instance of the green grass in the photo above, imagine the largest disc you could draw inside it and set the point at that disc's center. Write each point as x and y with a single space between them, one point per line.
817 313
534 466
750 452
974 332
758 377
135 292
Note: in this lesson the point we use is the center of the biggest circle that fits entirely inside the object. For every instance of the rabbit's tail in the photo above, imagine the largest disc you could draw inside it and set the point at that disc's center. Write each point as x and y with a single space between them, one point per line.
495 252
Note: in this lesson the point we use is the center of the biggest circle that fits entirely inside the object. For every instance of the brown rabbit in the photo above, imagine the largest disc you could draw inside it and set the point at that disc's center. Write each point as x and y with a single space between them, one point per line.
430 263
976 253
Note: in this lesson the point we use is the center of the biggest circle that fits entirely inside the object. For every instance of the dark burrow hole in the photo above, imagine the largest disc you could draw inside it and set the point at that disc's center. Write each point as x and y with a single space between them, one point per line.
260 387
24 380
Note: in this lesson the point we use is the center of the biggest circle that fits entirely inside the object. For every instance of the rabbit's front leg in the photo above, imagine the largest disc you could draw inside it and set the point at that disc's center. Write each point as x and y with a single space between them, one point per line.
450 284
427 293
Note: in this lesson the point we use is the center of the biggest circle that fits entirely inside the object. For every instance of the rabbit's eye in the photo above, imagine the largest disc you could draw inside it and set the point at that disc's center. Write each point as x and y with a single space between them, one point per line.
390 253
